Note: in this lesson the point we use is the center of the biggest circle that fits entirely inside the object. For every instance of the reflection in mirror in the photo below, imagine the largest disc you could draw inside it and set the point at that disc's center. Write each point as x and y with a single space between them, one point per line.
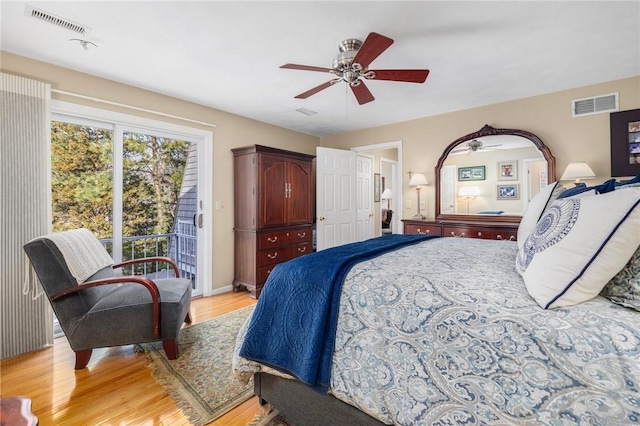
503 168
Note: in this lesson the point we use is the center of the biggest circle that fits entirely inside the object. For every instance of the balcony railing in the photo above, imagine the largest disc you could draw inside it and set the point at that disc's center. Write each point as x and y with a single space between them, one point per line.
177 246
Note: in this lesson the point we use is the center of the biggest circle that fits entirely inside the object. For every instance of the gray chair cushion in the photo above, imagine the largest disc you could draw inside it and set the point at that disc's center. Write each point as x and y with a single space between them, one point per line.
128 311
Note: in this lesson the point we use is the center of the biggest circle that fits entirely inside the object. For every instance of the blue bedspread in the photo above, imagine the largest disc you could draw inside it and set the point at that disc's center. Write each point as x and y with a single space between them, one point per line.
294 323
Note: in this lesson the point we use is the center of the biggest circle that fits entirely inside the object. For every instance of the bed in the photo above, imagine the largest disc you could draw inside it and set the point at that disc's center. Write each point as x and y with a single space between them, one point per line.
462 331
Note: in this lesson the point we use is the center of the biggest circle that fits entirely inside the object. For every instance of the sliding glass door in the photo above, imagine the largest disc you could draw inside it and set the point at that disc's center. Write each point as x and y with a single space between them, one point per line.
135 188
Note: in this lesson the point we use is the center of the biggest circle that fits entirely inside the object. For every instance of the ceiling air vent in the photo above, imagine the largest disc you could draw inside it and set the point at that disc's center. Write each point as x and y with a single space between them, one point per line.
55 20
595 105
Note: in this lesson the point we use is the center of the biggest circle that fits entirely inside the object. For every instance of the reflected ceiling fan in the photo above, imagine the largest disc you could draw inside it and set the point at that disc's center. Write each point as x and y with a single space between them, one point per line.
474 146
352 66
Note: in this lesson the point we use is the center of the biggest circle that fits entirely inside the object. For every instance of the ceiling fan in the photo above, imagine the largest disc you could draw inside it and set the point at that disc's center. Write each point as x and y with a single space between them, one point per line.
352 66
473 146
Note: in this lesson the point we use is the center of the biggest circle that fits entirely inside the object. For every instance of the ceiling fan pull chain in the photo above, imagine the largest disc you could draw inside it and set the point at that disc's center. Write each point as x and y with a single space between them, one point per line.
346 102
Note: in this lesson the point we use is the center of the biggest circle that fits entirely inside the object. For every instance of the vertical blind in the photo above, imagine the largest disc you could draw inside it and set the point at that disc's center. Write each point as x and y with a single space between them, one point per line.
26 321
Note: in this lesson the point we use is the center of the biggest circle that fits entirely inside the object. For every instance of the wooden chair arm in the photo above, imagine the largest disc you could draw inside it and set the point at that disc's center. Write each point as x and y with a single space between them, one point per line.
148 260
131 279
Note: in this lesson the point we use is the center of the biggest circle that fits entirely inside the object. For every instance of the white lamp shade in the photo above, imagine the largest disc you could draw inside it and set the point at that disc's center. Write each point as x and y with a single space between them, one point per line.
468 191
387 194
418 179
580 170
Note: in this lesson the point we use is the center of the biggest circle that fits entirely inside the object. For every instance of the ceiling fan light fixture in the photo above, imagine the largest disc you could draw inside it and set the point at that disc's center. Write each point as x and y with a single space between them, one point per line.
474 145
351 65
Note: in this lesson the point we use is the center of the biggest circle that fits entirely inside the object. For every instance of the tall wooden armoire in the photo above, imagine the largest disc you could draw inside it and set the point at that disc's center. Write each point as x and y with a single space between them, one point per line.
273 212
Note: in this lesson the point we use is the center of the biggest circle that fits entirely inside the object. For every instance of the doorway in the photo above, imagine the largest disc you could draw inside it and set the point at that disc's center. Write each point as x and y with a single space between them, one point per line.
337 193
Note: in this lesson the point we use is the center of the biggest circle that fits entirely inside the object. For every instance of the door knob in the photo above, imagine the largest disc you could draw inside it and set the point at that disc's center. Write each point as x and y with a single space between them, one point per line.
321 218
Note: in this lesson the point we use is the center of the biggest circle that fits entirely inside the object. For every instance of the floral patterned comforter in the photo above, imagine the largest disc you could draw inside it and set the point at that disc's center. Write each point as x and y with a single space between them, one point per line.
444 332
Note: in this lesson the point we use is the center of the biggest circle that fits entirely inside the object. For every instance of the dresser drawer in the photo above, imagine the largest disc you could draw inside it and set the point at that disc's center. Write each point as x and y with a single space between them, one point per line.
268 259
264 272
284 238
275 255
486 234
273 239
411 228
302 235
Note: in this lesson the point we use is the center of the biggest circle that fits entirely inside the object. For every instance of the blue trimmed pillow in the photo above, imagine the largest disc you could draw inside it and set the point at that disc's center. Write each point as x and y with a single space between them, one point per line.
578 245
536 207
603 188
624 288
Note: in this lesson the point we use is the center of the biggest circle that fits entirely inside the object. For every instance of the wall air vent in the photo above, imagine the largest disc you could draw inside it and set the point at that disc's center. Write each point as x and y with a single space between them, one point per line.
306 111
56 20
595 105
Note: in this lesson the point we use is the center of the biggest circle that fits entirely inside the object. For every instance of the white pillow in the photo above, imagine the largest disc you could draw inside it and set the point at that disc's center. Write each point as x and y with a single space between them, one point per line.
578 246
535 209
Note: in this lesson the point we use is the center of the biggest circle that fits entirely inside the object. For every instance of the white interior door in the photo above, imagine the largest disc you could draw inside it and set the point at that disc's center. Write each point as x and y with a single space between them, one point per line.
335 197
448 189
364 193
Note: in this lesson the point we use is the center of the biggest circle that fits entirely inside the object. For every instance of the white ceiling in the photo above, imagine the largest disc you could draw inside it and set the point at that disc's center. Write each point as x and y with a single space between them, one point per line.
227 55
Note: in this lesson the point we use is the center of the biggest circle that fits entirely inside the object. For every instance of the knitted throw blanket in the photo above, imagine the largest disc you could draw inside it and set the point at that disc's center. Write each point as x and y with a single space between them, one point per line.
82 251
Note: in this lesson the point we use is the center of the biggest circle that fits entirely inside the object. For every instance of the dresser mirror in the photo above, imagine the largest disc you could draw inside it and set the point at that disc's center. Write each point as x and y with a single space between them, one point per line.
490 175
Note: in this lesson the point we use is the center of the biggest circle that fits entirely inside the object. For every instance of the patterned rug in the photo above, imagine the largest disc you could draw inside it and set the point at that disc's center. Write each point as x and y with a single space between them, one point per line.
201 380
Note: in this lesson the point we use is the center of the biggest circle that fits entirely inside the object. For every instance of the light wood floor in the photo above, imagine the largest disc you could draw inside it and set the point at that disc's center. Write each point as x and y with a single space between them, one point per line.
116 388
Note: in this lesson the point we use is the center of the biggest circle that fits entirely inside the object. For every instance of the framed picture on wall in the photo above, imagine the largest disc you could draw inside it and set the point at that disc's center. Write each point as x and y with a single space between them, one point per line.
625 143
508 192
471 173
376 187
508 170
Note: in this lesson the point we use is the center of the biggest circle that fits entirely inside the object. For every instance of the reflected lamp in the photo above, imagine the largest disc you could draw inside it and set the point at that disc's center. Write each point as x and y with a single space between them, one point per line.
468 193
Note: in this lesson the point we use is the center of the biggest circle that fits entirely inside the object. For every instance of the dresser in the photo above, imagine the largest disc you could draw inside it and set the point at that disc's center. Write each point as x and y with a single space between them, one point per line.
461 229
273 212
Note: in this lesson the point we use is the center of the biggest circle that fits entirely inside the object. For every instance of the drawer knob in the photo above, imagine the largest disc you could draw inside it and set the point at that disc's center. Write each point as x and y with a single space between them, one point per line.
302 249
272 240
302 235
453 234
272 256
423 233
479 234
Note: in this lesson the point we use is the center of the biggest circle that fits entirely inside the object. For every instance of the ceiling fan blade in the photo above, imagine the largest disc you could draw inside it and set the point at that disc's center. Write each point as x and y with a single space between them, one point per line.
362 93
408 76
305 68
372 47
316 89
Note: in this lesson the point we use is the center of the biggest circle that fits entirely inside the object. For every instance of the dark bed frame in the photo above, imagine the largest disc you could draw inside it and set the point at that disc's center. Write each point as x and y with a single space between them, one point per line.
303 406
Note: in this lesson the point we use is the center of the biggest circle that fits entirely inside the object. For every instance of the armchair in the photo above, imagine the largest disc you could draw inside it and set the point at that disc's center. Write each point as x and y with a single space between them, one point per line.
97 306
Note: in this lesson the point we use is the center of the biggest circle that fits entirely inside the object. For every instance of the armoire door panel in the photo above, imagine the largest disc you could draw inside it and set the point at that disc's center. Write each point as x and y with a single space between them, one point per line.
299 200
273 189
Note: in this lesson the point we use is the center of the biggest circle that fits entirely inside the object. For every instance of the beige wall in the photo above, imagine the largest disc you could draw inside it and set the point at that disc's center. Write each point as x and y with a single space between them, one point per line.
548 116
231 131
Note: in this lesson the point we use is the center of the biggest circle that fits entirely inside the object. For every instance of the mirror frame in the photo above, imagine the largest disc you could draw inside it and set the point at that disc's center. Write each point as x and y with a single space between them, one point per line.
490 131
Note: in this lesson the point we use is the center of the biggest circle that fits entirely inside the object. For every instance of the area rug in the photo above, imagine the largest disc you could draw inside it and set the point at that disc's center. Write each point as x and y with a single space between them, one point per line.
201 380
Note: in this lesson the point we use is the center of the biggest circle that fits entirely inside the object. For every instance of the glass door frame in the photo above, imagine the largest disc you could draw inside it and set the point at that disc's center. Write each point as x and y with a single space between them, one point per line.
120 123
